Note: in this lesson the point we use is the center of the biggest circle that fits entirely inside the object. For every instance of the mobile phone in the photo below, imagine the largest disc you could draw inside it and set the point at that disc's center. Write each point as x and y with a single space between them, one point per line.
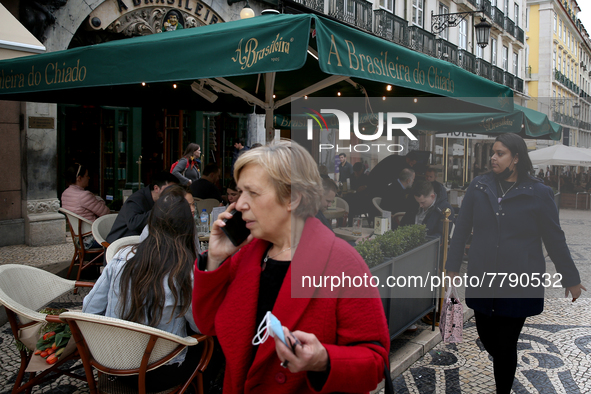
235 228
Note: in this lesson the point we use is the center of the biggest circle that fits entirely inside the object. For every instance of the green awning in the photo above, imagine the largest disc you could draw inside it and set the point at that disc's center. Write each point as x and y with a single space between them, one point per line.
230 58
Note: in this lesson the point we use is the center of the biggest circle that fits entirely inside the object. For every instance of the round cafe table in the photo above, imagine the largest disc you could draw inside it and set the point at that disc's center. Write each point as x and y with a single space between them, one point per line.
334 213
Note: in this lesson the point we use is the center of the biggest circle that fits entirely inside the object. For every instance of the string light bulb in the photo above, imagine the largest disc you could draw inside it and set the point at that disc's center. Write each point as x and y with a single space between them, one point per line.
389 88
174 85
339 94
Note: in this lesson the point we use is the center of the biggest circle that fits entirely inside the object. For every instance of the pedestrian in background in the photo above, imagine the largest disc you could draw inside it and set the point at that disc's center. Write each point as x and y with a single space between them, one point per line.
187 169
509 213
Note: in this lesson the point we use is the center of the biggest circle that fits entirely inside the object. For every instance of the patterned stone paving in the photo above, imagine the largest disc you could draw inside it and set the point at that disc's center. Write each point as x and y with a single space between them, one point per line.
554 348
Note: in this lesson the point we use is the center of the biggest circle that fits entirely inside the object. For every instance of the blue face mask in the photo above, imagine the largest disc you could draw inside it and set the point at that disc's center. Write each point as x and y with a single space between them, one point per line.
269 326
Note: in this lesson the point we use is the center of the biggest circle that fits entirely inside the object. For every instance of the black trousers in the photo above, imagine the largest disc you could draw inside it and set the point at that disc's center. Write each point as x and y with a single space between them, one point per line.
499 335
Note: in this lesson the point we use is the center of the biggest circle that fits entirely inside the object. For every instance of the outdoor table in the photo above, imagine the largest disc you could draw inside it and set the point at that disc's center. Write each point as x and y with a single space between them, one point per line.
334 213
346 233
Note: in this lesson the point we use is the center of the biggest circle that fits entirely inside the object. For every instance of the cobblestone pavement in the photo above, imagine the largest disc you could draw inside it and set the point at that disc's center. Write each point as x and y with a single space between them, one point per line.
554 349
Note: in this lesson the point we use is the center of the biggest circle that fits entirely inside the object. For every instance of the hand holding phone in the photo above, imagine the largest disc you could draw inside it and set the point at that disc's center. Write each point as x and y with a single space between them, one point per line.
235 228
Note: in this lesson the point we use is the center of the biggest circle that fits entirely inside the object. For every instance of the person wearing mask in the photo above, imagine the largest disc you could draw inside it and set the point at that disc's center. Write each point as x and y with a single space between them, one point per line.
206 187
82 202
509 214
136 285
342 343
135 211
187 168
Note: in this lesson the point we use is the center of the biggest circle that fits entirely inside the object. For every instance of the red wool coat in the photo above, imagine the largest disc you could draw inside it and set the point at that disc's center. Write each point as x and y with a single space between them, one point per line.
225 304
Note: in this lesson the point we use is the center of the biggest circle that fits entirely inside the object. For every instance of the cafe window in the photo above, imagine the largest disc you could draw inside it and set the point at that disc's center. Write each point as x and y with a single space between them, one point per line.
560 29
479 51
516 17
463 35
515 64
418 10
553 60
443 9
505 58
559 62
507 8
555 22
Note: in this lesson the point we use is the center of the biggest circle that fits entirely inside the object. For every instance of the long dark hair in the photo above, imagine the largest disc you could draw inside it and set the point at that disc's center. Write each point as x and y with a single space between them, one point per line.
167 253
192 147
518 148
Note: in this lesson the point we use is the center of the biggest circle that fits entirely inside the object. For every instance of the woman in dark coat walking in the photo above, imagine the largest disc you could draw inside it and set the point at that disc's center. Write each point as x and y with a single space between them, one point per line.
510 213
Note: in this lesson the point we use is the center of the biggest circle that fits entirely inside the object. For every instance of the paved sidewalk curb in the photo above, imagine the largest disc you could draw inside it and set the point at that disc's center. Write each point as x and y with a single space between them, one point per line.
417 347
59 269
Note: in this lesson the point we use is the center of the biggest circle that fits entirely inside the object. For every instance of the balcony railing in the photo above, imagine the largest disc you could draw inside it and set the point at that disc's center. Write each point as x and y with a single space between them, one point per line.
509 80
483 68
565 119
317 5
519 34
518 85
421 40
585 126
487 7
354 12
510 26
498 75
390 27
563 79
447 51
497 16
584 95
467 61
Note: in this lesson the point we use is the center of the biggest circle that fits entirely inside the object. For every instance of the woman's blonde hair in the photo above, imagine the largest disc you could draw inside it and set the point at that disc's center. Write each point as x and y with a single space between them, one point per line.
292 171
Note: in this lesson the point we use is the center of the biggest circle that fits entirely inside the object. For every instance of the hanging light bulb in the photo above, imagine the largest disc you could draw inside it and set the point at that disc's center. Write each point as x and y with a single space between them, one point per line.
246 12
143 84
389 88
174 85
339 94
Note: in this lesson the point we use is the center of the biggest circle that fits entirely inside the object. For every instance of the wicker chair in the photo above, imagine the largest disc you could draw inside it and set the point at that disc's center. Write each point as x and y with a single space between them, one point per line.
118 244
23 291
101 228
121 348
80 228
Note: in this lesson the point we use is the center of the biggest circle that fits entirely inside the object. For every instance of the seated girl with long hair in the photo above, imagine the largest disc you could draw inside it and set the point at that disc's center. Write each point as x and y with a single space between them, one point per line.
151 283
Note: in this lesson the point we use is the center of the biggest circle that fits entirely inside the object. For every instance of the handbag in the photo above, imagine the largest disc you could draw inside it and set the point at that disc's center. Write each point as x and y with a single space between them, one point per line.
388 385
451 320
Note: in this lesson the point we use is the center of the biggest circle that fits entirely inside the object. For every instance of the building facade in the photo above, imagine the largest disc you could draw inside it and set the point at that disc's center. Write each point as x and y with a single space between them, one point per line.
559 67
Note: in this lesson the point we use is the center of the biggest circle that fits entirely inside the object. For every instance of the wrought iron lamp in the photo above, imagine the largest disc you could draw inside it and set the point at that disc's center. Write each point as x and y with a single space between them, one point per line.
576 110
246 12
441 22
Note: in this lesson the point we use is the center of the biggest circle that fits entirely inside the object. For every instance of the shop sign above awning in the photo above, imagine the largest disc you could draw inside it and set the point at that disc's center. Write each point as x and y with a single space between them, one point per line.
262 45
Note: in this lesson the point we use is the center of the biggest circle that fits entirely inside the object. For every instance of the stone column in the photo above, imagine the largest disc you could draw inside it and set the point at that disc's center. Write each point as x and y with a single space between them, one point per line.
44 225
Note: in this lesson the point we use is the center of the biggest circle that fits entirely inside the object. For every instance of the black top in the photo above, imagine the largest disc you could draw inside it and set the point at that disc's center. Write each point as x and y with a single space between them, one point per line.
133 216
271 281
205 189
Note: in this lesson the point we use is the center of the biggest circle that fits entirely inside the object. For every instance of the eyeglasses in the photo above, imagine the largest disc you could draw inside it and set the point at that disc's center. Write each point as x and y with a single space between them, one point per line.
79 168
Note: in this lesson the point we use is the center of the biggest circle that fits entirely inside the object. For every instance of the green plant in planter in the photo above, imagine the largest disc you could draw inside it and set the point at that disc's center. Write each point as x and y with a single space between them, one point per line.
371 252
391 244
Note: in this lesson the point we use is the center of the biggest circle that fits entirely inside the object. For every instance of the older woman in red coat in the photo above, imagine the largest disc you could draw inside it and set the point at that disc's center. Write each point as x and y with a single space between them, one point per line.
343 339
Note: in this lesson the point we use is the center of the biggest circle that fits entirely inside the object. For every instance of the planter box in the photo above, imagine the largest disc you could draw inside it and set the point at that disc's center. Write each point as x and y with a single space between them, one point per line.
574 200
405 305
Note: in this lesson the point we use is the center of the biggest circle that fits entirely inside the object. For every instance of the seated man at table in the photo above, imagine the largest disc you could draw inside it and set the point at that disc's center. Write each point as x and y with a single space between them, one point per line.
429 210
330 193
359 178
438 188
205 186
396 196
134 213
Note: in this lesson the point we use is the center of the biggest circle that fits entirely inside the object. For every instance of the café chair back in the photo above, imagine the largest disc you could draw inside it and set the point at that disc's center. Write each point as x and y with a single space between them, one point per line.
101 227
79 229
397 218
376 203
23 291
122 348
208 204
341 203
120 243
